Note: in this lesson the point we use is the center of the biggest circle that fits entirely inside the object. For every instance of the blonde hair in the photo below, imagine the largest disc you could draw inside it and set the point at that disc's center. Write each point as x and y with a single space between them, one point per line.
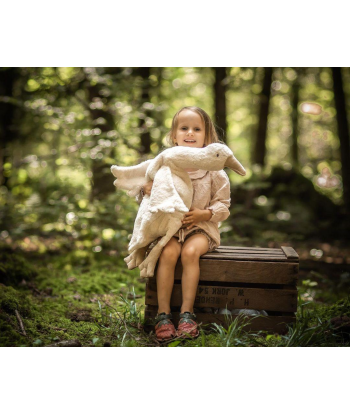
210 132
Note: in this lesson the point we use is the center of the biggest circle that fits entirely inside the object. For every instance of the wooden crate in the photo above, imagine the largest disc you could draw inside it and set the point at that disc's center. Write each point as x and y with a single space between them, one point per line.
236 277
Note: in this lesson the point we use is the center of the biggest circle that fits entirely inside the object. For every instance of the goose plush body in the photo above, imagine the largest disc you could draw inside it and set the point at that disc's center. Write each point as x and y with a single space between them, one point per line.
161 213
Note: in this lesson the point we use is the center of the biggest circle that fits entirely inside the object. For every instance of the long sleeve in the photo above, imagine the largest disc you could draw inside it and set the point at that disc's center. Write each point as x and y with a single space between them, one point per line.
220 197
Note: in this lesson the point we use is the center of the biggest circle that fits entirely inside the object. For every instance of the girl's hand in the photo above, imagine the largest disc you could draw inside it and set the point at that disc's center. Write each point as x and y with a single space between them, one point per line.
147 187
194 216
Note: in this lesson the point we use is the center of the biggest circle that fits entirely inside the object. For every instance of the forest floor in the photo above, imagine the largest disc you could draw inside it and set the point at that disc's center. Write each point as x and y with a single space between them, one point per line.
91 299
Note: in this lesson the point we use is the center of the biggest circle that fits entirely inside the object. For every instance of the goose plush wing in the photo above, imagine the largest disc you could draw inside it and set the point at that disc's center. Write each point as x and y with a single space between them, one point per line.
164 196
131 178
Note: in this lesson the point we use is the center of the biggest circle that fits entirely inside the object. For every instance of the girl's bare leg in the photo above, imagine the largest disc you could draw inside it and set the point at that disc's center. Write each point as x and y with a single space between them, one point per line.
165 274
195 246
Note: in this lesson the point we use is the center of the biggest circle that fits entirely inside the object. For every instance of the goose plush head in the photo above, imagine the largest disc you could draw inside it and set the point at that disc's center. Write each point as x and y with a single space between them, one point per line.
213 157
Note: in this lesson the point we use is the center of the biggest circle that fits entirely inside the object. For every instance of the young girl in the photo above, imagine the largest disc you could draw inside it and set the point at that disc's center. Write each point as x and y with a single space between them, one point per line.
191 127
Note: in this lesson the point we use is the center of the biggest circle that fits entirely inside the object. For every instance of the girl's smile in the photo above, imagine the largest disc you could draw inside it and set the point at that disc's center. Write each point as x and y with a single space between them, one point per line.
190 130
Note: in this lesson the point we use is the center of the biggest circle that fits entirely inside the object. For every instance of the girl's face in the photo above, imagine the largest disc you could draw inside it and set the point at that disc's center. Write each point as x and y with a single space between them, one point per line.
190 131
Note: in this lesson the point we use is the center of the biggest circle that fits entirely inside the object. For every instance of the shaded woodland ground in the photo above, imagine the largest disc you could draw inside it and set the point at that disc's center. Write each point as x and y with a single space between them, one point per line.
90 298
64 229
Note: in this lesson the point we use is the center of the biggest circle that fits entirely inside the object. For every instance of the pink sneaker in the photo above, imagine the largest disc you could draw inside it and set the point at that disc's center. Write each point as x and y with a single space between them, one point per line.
187 325
165 329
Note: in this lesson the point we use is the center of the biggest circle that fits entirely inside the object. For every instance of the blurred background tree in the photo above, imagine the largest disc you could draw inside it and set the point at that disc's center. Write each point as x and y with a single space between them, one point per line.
62 128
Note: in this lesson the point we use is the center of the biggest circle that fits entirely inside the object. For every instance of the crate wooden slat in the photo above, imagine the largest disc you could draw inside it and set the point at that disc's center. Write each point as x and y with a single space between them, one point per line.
262 254
247 251
253 248
290 253
246 257
232 297
285 253
241 278
245 271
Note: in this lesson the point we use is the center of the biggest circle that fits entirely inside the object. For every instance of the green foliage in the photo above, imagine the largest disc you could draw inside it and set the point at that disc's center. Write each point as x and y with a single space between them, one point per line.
175 343
301 334
46 204
234 335
69 221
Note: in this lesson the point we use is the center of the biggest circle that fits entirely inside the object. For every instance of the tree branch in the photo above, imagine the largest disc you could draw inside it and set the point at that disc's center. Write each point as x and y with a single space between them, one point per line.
20 322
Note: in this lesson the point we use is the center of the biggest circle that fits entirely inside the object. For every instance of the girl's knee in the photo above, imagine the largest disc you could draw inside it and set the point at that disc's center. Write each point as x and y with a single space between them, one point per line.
190 254
170 253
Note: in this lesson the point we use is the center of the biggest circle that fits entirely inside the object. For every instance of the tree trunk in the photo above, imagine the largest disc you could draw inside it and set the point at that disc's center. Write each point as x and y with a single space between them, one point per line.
260 145
7 111
145 136
102 181
220 88
158 116
343 133
295 117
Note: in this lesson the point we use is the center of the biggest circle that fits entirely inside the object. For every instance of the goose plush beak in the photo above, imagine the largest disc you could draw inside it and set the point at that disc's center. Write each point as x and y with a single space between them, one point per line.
233 164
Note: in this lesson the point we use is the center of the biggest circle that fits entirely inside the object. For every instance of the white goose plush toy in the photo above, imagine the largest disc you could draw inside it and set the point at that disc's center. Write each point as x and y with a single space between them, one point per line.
161 213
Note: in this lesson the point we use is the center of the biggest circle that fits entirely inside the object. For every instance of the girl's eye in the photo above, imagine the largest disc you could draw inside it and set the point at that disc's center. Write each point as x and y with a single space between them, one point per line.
183 128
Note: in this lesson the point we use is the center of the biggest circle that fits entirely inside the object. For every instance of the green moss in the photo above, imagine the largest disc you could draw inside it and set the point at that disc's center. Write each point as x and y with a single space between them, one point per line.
71 311
8 334
9 305
14 269
78 300
340 308
11 300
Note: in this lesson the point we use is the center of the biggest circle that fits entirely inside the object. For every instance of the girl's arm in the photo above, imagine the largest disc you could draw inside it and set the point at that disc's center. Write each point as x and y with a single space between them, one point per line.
220 197
217 211
145 190
139 197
